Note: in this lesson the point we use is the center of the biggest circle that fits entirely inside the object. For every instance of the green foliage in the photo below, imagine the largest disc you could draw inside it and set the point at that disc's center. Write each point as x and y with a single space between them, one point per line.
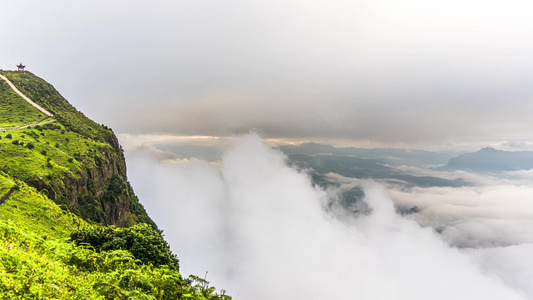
200 289
20 111
90 208
37 261
144 242
29 209
35 268
31 268
49 98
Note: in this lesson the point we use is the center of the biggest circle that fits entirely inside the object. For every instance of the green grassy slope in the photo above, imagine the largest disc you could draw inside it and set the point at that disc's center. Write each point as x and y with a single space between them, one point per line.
76 161
51 144
30 210
39 261
55 180
14 110
44 94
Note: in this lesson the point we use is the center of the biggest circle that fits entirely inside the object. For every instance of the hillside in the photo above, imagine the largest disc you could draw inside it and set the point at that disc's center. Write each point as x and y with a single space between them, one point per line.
491 160
76 162
62 183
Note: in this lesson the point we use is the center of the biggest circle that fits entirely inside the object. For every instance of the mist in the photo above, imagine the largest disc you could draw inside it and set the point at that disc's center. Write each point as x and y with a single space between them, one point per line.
262 231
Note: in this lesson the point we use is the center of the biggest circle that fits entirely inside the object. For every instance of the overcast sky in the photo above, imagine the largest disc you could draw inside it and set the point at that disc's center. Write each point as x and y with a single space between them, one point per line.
380 72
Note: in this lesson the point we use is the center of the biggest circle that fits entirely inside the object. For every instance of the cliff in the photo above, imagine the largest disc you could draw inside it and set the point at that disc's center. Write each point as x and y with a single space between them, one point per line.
58 175
74 161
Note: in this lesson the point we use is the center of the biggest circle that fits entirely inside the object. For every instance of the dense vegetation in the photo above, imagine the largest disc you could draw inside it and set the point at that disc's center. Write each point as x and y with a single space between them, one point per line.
143 241
61 184
47 252
33 267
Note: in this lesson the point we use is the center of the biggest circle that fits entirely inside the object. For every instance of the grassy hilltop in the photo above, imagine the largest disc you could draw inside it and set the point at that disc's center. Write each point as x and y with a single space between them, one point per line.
75 161
71 226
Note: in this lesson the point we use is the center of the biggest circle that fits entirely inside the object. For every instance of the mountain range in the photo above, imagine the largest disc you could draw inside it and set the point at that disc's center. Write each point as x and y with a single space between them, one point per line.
491 160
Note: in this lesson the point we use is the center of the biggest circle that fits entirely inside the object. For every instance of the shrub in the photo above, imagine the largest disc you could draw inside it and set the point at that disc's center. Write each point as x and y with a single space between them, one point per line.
15 142
30 146
37 268
8 136
144 242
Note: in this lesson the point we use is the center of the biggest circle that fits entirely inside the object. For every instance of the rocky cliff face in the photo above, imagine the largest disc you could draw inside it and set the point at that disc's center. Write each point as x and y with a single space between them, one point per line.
76 162
100 192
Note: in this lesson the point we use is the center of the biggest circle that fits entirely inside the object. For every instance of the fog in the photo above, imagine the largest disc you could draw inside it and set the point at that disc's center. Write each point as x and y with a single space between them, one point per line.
261 230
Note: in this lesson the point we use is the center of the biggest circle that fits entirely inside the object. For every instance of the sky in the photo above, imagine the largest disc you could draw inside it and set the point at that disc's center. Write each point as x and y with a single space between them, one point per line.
409 73
196 77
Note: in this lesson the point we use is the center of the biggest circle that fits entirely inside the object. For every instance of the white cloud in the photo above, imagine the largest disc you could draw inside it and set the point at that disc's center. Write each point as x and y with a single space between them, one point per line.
473 216
512 264
376 71
260 229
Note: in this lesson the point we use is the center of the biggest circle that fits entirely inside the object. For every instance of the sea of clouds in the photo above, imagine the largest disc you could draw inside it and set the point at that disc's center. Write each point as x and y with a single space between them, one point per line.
262 231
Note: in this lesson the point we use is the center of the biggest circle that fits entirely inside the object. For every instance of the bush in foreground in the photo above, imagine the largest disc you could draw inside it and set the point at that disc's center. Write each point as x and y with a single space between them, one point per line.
144 242
35 268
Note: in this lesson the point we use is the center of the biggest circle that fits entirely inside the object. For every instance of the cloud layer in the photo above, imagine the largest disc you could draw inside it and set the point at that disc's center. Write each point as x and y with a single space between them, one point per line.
261 230
382 71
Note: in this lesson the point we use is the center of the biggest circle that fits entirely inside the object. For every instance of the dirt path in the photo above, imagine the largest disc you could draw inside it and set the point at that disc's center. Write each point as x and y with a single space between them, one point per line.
44 111
28 125
6 196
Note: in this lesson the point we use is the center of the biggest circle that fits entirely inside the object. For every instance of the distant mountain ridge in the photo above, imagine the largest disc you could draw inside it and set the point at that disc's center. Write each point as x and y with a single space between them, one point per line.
354 167
390 156
491 160
377 164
